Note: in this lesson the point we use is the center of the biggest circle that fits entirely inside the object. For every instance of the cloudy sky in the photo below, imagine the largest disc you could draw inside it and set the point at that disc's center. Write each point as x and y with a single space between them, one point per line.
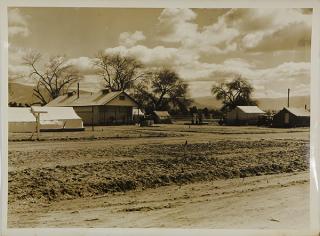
269 47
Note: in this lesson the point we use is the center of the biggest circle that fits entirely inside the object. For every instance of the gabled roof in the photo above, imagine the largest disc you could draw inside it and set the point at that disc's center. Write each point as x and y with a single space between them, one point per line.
161 113
298 111
96 99
251 109
56 113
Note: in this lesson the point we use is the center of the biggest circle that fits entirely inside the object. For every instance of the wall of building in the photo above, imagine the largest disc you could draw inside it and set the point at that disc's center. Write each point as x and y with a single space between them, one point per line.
105 115
88 114
293 121
237 116
109 115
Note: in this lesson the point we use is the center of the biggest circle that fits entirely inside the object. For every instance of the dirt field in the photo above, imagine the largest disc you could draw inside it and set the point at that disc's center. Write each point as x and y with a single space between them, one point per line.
165 176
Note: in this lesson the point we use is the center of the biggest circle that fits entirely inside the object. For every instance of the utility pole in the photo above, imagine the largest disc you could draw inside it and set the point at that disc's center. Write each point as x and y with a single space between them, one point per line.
78 90
288 97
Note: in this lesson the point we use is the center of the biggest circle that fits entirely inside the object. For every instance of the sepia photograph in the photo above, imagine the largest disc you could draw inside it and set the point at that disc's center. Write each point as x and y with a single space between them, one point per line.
159 117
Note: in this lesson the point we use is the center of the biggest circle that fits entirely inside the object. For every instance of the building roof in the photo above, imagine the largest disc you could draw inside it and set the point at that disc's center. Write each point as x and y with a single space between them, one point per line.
20 114
95 99
56 113
162 113
298 111
251 109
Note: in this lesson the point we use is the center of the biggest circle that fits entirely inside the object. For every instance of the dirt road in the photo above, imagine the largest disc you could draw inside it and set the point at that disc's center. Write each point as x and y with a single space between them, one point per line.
264 202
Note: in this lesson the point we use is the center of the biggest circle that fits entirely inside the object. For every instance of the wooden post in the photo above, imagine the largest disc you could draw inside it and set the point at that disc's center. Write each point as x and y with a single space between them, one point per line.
92 119
37 115
78 90
288 97
38 125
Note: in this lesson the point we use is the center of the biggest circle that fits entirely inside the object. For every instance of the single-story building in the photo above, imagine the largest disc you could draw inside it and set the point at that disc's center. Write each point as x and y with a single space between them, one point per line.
291 117
58 119
162 117
243 115
21 120
101 108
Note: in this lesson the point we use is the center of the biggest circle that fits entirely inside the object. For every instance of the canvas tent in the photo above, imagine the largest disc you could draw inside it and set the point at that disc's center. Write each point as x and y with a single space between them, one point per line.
246 115
21 120
137 115
58 118
291 117
137 112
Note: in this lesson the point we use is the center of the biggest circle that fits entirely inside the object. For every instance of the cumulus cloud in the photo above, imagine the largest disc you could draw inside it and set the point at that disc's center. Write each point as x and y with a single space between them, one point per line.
238 29
178 26
268 82
239 39
130 39
158 56
18 23
83 64
270 29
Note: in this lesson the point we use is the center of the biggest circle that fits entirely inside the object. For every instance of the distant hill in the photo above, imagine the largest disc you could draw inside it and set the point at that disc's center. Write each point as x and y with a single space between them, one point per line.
209 101
21 93
264 103
279 103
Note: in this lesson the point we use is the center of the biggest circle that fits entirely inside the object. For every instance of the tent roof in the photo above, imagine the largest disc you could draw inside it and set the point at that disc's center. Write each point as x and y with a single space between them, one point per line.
298 111
96 99
250 109
161 113
20 114
56 113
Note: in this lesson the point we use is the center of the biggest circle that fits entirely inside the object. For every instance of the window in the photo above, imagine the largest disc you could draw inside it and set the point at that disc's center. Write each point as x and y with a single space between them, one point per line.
122 97
286 118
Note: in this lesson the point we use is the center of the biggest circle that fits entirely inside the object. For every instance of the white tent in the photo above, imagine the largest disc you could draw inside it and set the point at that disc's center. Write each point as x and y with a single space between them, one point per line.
137 112
58 118
21 120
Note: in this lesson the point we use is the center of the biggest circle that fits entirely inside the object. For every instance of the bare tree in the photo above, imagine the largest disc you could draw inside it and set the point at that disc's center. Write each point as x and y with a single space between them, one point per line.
119 72
235 93
53 79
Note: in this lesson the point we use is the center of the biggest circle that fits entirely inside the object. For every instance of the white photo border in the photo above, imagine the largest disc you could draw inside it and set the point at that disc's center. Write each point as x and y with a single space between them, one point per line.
314 104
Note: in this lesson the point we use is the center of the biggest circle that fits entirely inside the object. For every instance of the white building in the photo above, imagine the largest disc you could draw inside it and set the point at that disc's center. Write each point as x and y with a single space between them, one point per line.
244 115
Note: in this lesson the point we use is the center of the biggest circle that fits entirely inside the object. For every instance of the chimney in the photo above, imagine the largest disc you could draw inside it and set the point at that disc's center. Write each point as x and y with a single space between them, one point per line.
105 91
78 89
70 94
288 97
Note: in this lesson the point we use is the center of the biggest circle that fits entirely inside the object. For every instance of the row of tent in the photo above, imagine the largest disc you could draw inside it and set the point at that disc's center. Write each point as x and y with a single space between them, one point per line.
23 119
253 115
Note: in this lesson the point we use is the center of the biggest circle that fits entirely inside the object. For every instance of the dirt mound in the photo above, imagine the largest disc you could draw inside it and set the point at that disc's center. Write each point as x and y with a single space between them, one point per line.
180 165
